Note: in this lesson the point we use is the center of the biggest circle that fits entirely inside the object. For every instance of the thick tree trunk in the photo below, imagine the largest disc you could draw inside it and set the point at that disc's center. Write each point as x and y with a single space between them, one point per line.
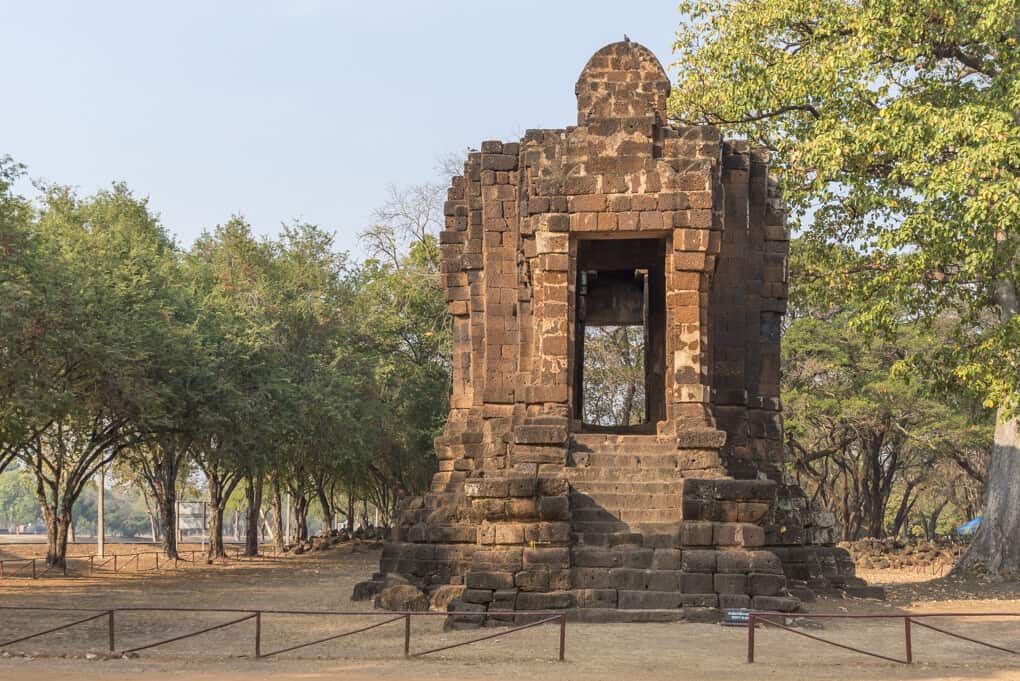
277 503
218 496
165 492
996 546
161 476
253 496
57 523
216 549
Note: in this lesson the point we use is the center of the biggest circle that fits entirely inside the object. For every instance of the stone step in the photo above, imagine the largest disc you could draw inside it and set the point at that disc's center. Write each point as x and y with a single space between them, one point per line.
623 500
591 440
629 459
628 515
610 527
607 474
598 488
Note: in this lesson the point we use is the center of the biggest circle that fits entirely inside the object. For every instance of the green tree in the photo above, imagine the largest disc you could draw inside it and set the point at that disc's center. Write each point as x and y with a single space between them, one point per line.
100 300
867 440
17 499
895 126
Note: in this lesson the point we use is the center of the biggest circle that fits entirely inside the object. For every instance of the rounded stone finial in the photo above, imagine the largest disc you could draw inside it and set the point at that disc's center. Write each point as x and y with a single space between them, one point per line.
622 79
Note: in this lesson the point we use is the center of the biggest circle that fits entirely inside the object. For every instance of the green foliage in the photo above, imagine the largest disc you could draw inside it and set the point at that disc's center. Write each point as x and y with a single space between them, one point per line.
895 131
614 375
240 356
880 445
18 505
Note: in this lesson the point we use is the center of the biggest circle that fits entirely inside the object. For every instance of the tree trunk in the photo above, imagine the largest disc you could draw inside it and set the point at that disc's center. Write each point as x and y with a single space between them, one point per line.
277 503
326 503
301 517
219 493
165 492
996 545
161 476
57 523
216 549
253 495
350 512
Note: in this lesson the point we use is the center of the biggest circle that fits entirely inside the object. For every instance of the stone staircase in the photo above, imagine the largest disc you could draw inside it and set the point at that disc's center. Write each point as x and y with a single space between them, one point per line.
658 535
624 489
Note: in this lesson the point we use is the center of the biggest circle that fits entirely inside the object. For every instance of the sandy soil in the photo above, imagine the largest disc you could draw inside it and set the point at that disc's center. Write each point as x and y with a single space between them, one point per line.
594 652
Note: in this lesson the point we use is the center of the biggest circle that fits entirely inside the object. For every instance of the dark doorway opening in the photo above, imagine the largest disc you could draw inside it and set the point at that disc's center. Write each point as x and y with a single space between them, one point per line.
620 351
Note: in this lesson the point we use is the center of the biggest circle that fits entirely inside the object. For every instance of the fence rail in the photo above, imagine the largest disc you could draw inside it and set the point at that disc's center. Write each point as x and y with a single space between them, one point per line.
544 617
34 568
768 619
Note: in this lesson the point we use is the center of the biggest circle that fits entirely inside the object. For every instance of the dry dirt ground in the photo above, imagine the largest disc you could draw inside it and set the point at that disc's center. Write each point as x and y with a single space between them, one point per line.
594 651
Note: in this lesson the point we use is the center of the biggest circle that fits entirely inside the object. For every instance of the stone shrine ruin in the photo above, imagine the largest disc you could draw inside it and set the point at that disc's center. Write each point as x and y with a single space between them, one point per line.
623 219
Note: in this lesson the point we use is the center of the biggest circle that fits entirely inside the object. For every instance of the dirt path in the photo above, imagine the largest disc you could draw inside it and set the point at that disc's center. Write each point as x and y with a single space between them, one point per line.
594 652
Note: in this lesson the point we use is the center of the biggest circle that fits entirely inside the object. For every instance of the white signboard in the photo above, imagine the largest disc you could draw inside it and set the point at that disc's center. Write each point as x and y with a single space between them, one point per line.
191 515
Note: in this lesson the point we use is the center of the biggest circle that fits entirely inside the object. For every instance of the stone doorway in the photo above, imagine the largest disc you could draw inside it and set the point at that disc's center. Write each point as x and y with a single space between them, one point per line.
621 308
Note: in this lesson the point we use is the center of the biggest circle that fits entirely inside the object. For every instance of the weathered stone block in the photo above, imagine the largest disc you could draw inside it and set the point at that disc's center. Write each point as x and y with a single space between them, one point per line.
738 534
775 603
662 580
554 508
727 583
667 559
734 601
534 579
636 557
699 600
766 584
584 556
696 533
552 600
591 578
483 596
540 435
648 600
596 598
698 560
627 578
697 583
733 561
489 580
558 557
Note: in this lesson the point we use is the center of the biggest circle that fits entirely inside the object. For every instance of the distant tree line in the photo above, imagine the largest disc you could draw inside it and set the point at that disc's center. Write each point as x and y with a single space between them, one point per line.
275 366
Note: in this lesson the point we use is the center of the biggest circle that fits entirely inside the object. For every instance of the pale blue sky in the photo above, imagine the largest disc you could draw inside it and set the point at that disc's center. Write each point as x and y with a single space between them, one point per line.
281 110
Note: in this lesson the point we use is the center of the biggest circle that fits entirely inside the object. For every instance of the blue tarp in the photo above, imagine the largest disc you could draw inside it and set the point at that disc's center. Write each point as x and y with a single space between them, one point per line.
969 527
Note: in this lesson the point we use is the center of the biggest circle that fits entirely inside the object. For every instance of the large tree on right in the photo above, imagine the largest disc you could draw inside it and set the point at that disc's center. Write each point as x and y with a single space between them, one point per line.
894 126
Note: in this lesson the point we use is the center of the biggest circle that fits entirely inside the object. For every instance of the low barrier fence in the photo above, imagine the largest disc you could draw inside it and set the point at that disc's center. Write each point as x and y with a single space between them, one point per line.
538 618
34 568
776 620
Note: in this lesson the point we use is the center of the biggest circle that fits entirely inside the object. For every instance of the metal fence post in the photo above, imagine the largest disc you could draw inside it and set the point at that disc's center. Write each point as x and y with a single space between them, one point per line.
563 636
258 634
109 631
33 568
407 635
1 569
906 635
92 560
750 638
115 562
